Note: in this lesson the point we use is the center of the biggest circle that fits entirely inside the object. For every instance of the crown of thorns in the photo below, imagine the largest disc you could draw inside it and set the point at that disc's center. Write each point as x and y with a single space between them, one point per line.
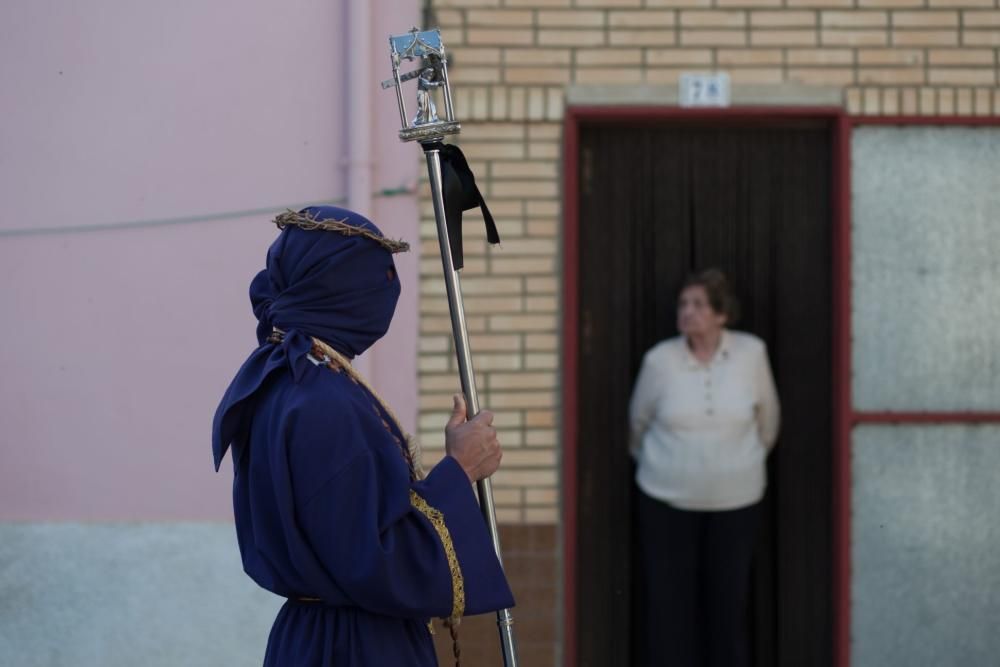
309 223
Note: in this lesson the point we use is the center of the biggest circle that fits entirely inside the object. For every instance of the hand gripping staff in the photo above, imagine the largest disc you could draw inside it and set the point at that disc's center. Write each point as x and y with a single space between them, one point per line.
453 190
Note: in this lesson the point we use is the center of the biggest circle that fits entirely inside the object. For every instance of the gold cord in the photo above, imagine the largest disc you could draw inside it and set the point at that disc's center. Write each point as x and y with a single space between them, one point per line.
457 581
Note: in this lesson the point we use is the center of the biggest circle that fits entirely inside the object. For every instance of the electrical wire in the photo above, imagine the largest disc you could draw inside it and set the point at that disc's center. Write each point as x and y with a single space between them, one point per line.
186 220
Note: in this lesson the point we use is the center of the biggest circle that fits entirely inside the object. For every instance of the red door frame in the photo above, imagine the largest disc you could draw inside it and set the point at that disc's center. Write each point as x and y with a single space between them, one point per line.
845 418
579 116
849 417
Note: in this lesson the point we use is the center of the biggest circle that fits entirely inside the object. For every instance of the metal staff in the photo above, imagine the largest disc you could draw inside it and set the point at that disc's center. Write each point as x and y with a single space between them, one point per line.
427 128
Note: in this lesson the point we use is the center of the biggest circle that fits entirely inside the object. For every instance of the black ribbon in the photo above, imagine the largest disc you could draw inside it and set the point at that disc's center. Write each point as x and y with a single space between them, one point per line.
460 194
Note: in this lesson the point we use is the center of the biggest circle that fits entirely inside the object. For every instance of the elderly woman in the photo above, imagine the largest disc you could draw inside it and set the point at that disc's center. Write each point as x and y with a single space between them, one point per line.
704 415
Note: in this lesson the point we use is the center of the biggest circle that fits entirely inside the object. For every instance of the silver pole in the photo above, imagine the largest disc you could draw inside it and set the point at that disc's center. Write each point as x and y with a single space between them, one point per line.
505 621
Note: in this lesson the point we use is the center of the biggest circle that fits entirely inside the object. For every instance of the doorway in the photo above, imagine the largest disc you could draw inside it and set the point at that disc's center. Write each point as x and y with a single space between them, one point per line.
654 201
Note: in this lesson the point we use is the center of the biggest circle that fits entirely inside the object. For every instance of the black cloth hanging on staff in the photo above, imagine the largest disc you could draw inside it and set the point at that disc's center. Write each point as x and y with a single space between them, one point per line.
460 194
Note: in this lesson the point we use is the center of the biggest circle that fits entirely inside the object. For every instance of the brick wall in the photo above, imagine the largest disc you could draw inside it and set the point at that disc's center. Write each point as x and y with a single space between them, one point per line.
512 63
512 302
513 57
531 565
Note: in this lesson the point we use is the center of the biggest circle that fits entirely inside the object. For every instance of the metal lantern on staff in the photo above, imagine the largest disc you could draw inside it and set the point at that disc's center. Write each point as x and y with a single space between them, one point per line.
431 74
453 190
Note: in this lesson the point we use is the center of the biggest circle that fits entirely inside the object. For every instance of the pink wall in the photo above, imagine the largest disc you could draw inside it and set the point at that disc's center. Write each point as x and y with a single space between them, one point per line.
120 343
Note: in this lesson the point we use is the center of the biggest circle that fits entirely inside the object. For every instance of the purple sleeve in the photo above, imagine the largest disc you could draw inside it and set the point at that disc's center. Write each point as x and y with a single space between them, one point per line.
447 489
401 550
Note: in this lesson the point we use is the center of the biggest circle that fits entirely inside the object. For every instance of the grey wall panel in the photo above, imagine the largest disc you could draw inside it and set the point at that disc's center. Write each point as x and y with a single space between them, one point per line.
926 268
925 546
120 595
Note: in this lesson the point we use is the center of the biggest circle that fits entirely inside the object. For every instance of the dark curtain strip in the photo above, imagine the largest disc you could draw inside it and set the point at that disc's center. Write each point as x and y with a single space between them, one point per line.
657 202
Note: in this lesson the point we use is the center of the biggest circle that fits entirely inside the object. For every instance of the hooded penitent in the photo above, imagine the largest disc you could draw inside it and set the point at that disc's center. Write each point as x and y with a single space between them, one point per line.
330 511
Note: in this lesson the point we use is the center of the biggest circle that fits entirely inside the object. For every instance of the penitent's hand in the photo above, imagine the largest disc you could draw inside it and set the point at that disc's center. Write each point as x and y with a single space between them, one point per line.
472 443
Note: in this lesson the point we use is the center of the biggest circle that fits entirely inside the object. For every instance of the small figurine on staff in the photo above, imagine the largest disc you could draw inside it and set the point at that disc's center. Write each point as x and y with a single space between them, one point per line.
431 74
428 81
